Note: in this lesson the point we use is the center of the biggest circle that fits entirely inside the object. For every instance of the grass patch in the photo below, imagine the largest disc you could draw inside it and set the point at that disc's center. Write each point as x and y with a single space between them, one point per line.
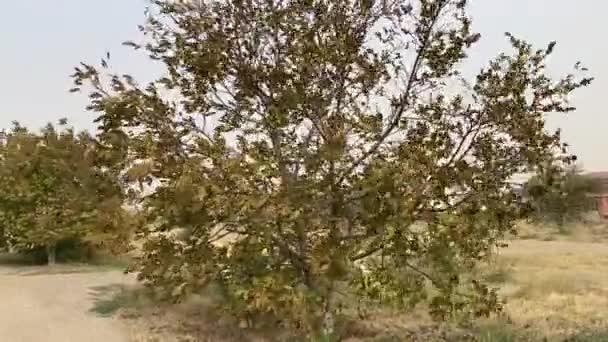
497 272
592 336
34 259
588 230
559 288
499 331
542 286
110 299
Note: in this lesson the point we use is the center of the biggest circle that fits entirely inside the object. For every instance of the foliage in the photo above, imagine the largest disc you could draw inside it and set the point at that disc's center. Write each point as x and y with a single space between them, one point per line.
51 189
297 142
68 250
560 195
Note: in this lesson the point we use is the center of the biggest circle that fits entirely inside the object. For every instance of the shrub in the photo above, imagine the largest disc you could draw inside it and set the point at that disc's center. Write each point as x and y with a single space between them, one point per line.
68 250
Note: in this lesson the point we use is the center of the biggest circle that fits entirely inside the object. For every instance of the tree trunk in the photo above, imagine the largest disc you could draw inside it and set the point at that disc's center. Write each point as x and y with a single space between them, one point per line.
51 249
328 328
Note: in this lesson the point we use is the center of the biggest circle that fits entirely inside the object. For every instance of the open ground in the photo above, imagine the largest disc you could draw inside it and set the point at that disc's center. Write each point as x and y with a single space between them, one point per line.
555 288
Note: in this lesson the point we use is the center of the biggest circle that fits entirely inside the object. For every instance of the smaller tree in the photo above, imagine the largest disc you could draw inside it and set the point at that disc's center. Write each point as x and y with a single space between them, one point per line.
559 194
324 135
51 188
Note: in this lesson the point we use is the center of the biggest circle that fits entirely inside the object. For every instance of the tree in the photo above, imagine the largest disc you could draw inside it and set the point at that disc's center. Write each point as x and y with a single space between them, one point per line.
559 195
51 188
319 136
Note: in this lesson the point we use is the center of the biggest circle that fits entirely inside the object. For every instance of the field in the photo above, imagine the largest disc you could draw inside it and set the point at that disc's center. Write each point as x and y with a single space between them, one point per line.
555 285
555 288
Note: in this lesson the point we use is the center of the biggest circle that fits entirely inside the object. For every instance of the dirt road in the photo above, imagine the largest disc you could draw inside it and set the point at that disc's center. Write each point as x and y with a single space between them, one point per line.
37 306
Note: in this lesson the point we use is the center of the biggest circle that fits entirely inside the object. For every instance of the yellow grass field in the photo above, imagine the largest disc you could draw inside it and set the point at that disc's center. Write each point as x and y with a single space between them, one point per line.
556 287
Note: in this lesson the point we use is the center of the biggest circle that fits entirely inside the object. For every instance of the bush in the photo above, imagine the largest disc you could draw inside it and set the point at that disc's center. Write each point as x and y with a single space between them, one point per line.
559 196
594 336
68 250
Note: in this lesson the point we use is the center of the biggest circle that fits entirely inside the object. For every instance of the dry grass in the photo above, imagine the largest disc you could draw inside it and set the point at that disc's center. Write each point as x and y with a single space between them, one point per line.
555 286
559 287
590 229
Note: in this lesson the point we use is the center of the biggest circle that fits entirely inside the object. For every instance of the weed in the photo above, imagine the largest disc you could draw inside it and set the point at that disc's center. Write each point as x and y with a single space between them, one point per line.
109 299
500 331
592 336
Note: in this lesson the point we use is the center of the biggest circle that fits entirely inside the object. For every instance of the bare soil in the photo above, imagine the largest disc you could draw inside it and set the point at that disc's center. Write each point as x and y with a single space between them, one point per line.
55 305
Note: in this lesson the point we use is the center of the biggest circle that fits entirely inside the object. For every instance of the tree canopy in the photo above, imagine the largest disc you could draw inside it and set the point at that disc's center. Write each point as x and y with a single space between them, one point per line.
298 142
559 195
51 188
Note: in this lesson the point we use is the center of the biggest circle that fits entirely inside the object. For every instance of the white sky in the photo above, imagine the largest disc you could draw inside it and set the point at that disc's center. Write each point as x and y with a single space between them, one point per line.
43 40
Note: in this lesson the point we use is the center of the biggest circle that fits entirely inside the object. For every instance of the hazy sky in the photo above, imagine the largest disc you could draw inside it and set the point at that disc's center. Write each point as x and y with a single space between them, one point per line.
42 40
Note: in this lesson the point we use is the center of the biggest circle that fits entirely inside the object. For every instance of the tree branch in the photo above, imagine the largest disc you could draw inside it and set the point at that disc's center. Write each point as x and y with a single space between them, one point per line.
404 100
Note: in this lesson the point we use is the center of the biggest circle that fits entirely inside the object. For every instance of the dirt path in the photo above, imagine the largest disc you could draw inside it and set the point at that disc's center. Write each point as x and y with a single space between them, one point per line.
55 307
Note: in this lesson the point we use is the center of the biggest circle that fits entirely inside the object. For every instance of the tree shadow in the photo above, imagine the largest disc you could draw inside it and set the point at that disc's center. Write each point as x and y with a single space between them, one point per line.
23 265
109 299
18 260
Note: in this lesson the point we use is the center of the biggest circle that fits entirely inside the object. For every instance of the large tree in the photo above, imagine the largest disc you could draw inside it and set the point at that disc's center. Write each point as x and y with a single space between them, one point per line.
52 189
322 135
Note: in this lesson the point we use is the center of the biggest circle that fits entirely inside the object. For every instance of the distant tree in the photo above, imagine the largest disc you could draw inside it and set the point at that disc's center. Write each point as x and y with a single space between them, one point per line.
51 188
321 135
560 194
